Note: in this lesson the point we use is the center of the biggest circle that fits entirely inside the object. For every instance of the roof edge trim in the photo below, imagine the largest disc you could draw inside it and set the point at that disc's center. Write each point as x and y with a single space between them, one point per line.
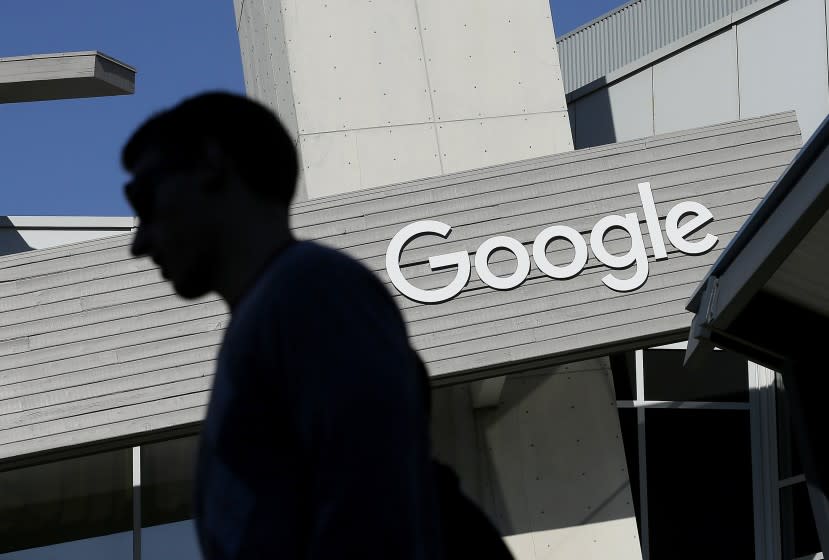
68 55
596 20
808 154
68 222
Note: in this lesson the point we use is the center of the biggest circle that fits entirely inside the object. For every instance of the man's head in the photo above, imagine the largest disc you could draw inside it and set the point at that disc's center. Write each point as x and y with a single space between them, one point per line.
204 172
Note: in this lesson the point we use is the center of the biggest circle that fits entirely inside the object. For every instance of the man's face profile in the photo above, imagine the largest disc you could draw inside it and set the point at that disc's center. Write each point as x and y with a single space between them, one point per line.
178 205
208 192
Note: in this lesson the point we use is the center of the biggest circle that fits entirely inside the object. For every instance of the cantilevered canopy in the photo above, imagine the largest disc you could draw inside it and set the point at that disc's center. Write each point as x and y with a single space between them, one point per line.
63 76
767 296
768 293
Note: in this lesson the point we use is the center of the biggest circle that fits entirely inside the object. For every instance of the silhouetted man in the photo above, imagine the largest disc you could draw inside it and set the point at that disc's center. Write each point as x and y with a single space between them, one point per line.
316 439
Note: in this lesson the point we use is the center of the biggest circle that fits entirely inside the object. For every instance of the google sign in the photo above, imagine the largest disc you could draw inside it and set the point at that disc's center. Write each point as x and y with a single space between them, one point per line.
677 234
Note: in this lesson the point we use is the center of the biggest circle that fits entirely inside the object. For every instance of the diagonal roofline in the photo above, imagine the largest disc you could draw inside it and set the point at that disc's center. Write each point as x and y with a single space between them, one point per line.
656 55
594 21
639 31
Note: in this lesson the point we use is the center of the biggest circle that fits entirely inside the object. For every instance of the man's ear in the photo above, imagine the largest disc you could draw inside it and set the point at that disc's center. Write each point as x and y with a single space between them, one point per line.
213 153
217 164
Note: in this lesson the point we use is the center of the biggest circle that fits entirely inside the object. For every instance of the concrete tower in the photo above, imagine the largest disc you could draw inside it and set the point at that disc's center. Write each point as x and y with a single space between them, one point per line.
376 93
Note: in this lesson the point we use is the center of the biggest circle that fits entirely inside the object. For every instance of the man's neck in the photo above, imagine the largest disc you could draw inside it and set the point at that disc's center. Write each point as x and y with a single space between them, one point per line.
247 259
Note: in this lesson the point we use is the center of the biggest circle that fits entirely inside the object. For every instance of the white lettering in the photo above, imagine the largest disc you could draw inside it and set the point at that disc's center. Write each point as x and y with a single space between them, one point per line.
652 220
637 254
540 252
677 233
459 259
629 223
482 263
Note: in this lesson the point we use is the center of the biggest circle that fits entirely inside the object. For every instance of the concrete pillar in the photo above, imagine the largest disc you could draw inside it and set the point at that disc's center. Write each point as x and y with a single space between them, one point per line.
381 92
546 463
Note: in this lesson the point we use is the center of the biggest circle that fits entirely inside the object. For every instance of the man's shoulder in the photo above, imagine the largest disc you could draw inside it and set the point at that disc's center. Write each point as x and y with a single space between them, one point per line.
306 259
311 252
310 270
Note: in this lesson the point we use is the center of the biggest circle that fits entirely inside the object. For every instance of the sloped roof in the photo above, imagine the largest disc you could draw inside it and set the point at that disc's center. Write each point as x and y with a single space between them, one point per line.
633 31
95 347
777 258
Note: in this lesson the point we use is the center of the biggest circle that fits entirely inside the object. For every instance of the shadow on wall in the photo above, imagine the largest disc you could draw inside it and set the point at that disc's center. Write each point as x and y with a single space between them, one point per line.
10 240
591 118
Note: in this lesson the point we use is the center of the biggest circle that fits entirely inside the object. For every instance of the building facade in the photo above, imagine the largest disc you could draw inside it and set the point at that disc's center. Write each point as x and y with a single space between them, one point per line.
554 339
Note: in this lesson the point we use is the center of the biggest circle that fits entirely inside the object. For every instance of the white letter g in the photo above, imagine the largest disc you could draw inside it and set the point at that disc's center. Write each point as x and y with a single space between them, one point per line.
459 259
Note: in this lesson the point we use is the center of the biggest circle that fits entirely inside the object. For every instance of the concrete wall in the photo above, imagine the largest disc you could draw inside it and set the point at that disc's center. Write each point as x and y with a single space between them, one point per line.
546 463
384 92
767 58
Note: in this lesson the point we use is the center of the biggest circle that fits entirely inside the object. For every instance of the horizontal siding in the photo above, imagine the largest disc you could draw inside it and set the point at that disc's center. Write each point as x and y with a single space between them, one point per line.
151 390
98 394
632 31
126 354
41 282
70 256
166 414
105 373
123 315
146 332
94 345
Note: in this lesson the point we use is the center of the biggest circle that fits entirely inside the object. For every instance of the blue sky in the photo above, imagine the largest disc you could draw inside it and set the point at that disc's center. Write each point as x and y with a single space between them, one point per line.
61 157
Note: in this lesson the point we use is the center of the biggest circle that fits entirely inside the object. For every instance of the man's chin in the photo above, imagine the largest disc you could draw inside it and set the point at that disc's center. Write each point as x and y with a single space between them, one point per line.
190 290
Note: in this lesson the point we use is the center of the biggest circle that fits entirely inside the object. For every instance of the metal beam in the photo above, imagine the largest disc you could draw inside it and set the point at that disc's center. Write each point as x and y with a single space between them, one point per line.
806 385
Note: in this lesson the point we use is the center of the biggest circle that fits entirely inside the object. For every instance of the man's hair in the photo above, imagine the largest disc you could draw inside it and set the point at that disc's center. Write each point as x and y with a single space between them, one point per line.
249 135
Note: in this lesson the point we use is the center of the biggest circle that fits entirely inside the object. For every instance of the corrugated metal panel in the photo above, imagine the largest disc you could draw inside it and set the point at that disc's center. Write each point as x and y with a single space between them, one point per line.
631 32
93 344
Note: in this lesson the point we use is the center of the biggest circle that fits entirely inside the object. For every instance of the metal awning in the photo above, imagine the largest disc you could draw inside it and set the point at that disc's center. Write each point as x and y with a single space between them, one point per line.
63 76
775 267
767 297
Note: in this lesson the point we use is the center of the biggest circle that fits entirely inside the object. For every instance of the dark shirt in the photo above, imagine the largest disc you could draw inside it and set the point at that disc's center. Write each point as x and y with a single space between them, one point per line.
465 531
316 439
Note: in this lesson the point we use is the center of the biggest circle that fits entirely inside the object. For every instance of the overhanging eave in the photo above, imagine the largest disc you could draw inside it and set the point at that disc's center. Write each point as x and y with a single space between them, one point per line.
773 254
63 76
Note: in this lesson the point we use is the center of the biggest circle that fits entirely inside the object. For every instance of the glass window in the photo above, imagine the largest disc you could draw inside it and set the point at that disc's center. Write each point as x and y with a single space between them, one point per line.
75 506
724 378
170 540
799 535
788 455
699 484
167 472
629 424
797 524
623 367
117 546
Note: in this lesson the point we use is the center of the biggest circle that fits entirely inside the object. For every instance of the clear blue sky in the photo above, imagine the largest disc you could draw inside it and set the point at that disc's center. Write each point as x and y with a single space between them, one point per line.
61 157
